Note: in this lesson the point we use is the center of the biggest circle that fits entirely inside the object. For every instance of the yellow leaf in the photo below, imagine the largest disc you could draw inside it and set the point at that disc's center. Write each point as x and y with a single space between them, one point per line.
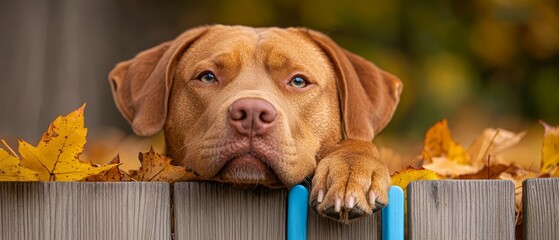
56 157
10 170
444 156
404 177
458 154
437 141
157 168
550 148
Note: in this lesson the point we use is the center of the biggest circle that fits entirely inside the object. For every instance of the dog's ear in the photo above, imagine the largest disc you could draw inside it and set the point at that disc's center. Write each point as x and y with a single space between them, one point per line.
142 84
368 95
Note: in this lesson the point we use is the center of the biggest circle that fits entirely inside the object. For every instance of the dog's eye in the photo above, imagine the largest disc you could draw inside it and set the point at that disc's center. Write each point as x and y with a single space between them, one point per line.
207 77
298 82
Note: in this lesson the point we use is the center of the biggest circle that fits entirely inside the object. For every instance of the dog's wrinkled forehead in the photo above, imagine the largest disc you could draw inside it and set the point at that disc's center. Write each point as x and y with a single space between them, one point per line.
277 51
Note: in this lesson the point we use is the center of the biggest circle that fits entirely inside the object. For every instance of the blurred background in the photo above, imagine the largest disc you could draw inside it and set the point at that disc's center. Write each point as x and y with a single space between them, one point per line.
478 63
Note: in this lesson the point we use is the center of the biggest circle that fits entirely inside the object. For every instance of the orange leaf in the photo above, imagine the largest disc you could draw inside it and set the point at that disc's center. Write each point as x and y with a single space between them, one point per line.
157 168
111 175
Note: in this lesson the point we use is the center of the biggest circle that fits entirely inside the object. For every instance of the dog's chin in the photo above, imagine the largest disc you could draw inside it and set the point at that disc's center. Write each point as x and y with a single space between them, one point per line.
247 171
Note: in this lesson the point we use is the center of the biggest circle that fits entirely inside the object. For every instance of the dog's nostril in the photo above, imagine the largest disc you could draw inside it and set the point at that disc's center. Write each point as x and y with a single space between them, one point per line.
237 113
268 116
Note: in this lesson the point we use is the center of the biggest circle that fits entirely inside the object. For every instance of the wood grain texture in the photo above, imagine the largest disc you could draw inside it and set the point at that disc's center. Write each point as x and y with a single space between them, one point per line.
321 228
461 209
540 199
204 210
76 210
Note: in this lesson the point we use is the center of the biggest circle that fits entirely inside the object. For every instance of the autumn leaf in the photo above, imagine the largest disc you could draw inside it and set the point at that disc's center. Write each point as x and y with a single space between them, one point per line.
448 168
517 175
404 177
10 170
437 141
444 156
157 168
550 150
448 158
56 157
488 172
111 175
493 142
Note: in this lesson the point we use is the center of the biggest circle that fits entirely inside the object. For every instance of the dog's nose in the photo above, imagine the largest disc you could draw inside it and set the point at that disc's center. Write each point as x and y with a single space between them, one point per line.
252 116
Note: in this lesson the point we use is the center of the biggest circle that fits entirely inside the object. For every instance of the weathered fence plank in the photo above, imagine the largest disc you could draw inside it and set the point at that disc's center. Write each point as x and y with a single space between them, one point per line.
541 208
204 210
461 209
321 228
76 210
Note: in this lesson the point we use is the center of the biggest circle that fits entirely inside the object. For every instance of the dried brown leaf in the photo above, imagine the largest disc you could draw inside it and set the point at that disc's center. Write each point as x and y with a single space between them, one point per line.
111 175
157 168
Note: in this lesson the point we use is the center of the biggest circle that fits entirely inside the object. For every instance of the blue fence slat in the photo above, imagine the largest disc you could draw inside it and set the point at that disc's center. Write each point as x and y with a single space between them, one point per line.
297 209
393 215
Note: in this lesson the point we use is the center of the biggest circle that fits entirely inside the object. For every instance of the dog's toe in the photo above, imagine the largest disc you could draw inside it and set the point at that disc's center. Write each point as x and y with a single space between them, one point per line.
332 213
355 213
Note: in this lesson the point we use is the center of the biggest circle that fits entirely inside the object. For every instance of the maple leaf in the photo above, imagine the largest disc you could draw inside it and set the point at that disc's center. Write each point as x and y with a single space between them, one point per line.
56 157
157 168
111 175
10 170
550 150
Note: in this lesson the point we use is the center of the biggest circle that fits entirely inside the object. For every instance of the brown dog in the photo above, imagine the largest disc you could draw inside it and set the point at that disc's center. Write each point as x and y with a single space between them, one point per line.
266 106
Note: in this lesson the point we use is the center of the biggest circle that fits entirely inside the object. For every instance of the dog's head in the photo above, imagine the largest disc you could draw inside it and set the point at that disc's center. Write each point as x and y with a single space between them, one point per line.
253 105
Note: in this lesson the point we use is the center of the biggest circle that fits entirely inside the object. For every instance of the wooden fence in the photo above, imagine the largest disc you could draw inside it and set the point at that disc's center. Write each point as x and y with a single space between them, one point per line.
450 209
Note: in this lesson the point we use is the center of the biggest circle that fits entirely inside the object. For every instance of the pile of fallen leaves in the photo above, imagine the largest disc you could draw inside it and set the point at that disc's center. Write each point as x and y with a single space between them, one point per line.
57 158
443 158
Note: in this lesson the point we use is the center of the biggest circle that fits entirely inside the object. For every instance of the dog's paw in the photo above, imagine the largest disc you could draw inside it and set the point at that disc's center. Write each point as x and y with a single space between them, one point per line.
345 188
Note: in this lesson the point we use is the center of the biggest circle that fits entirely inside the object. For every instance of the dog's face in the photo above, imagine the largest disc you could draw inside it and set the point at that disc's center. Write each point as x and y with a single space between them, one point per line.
253 106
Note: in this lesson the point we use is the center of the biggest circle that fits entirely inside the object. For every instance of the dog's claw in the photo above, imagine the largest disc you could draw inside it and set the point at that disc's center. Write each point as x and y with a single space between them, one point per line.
378 206
314 205
350 202
320 197
372 198
338 205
